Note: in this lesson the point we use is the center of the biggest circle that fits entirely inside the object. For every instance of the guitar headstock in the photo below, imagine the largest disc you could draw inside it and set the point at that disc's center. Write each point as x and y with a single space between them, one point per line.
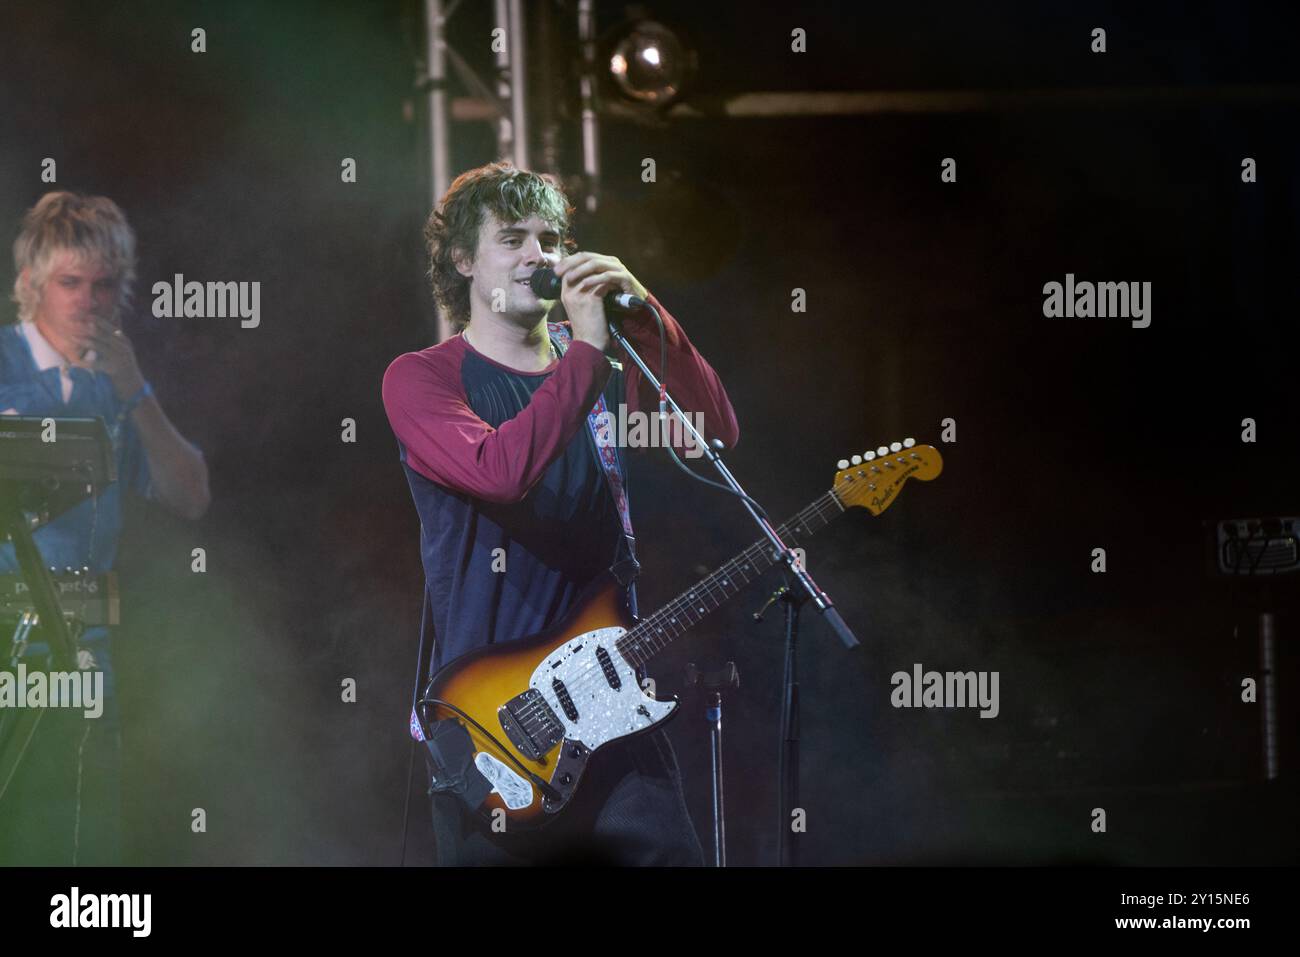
872 479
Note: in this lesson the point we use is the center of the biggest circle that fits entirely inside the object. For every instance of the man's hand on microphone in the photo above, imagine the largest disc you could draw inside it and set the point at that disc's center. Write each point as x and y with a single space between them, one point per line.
587 277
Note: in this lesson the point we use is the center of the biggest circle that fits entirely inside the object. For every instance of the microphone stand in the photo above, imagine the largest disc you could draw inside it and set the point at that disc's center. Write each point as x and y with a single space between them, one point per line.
782 552
794 596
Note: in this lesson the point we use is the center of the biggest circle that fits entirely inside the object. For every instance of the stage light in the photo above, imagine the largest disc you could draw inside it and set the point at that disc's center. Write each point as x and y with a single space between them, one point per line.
649 64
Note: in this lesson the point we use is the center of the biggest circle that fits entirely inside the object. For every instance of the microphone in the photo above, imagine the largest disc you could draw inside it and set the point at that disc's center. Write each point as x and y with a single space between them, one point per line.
547 285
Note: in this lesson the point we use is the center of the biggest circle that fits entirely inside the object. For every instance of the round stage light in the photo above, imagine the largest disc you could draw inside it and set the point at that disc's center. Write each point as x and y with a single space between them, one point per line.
649 64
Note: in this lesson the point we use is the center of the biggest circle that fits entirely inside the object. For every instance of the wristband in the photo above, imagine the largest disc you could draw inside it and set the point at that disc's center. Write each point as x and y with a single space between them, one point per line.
146 390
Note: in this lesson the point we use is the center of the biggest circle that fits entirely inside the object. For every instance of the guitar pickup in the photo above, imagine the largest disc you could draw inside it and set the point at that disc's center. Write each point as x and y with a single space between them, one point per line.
536 733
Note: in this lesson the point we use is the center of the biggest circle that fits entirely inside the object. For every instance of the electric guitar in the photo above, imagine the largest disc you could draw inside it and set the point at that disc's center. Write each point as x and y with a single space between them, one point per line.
537 709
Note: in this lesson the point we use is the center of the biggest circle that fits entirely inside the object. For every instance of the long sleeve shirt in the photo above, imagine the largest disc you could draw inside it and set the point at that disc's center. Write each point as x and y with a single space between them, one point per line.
516 516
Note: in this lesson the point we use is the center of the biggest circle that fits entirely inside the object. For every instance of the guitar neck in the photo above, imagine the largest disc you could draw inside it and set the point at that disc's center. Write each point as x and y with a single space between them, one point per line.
653 634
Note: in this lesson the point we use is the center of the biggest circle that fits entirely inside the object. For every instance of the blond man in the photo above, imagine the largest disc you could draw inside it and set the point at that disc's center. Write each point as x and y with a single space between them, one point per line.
68 356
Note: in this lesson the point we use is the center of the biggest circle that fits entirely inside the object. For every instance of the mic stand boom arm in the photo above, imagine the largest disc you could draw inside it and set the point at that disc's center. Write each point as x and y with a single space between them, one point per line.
821 601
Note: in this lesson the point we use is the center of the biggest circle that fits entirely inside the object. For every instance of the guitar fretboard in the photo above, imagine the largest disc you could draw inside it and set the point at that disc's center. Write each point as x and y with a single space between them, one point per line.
653 634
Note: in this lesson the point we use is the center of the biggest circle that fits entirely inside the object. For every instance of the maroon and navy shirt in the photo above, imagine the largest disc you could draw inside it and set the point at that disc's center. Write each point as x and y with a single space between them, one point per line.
502 459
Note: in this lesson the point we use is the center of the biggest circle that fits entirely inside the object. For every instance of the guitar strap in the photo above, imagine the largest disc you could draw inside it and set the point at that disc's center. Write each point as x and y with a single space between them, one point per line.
601 425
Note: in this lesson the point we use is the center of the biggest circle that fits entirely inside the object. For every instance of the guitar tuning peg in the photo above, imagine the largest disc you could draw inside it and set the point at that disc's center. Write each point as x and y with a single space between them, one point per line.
908 443
883 450
857 460
842 464
868 456
895 446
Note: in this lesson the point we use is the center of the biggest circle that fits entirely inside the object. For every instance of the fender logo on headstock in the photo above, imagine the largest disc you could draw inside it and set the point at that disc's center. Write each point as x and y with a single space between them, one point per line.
873 479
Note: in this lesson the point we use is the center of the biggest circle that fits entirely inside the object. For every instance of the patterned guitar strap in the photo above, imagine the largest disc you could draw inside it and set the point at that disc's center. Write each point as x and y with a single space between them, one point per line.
601 425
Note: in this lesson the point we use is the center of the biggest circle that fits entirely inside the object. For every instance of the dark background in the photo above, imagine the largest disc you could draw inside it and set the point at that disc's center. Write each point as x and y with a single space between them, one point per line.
1118 691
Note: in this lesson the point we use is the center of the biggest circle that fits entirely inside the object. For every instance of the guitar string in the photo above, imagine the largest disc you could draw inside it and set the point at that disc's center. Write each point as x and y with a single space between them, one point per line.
681 603
757 550
641 634
826 503
750 557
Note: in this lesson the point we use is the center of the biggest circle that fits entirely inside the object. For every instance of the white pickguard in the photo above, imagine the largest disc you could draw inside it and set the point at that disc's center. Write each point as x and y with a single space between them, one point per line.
604 714
514 790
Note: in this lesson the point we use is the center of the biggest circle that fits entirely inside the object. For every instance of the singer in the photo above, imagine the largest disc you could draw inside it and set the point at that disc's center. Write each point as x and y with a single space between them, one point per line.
519 506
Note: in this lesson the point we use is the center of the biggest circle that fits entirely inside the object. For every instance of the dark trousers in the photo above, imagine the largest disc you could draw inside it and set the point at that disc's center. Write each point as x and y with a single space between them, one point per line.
629 810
